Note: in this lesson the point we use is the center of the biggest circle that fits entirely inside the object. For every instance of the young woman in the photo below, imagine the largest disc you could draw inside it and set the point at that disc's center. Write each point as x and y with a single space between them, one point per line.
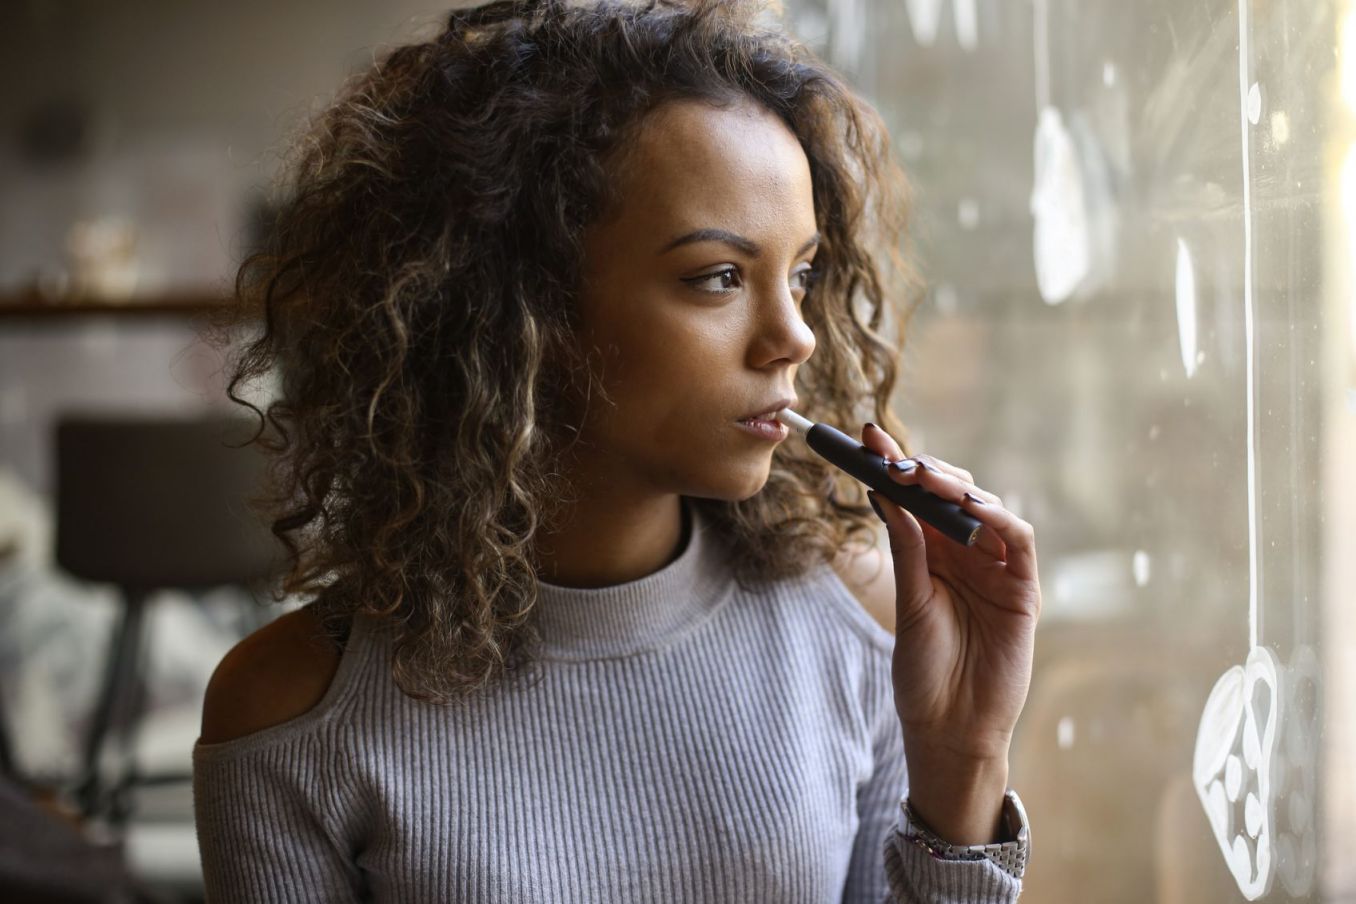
577 632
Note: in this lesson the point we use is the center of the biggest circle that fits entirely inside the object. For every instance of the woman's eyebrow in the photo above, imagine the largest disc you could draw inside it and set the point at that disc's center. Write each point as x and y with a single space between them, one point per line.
748 246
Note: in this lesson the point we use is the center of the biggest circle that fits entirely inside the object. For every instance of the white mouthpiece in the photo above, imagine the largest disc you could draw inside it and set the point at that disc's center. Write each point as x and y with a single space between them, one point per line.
794 421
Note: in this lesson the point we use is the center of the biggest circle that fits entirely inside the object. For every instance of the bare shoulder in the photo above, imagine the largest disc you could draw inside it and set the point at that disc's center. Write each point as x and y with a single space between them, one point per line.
277 673
870 575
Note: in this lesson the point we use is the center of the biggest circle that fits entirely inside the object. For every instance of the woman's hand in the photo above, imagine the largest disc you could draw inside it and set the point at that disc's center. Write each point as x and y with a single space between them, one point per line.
964 639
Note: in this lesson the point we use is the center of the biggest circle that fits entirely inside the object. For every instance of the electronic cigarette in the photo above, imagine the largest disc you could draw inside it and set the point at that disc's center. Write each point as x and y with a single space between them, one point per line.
850 455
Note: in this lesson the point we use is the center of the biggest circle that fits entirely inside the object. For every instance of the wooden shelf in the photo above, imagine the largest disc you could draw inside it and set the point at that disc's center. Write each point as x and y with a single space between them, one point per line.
178 306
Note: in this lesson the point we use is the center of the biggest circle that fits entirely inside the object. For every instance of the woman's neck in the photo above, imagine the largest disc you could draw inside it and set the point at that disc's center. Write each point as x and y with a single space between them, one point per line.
600 542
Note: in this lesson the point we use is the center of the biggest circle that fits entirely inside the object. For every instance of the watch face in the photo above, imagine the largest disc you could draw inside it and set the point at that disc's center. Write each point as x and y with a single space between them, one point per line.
1015 814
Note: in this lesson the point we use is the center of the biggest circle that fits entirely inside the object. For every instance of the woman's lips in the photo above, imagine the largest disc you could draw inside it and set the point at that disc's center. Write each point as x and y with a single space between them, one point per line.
765 428
777 405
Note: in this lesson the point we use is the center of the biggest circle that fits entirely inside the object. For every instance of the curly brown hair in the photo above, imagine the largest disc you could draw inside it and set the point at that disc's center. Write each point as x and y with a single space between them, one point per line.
416 303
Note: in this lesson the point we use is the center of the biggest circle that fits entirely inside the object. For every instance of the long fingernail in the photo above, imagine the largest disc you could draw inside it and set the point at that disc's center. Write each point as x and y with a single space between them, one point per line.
869 424
871 498
904 465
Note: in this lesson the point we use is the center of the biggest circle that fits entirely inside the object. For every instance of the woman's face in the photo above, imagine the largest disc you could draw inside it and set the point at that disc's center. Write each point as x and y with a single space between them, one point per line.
695 332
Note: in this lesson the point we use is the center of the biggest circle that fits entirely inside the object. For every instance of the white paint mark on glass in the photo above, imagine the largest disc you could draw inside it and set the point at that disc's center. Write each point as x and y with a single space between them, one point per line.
1064 733
1141 566
1252 741
967 24
1252 815
1062 243
1249 342
1108 73
926 15
1233 777
1186 308
1245 708
1231 724
1280 128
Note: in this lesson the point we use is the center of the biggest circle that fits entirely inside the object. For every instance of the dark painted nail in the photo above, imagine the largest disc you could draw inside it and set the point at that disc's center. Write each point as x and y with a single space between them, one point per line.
904 465
869 424
871 498
973 498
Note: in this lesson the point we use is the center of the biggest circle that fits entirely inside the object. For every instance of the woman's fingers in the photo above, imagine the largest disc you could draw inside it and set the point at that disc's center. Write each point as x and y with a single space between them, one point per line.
880 442
957 481
1017 536
1005 537
960 473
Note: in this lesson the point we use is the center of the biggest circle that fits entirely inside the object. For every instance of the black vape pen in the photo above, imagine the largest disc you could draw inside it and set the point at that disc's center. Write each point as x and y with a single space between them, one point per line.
856 459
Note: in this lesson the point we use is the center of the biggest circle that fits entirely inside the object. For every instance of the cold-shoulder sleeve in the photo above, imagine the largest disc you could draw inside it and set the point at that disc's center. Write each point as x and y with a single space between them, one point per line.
272 808
266 823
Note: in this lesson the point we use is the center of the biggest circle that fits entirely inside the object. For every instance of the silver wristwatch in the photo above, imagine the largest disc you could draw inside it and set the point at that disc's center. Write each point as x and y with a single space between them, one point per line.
1011 856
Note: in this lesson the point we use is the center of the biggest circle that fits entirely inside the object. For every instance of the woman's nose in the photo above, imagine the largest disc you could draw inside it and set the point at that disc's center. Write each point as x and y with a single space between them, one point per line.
782 330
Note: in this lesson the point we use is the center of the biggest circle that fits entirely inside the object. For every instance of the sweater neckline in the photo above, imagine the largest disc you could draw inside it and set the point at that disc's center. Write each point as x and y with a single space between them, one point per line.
579 623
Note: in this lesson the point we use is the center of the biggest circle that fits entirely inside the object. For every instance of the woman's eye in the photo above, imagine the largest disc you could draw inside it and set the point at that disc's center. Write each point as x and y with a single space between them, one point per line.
808 277
723 275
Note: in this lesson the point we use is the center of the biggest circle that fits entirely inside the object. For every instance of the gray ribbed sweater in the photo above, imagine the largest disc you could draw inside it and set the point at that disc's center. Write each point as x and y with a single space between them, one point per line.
689 741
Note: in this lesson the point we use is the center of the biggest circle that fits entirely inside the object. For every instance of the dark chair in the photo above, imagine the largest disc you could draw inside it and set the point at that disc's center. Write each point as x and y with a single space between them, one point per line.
149 503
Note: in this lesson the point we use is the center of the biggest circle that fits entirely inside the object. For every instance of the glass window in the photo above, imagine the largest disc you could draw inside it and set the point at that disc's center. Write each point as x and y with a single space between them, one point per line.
1136 225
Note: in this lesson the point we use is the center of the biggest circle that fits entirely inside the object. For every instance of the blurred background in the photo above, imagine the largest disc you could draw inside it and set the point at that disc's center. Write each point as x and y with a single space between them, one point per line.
1137 222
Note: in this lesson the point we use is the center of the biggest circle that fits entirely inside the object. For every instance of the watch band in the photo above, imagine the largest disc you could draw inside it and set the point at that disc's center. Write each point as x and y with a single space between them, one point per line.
1011 856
